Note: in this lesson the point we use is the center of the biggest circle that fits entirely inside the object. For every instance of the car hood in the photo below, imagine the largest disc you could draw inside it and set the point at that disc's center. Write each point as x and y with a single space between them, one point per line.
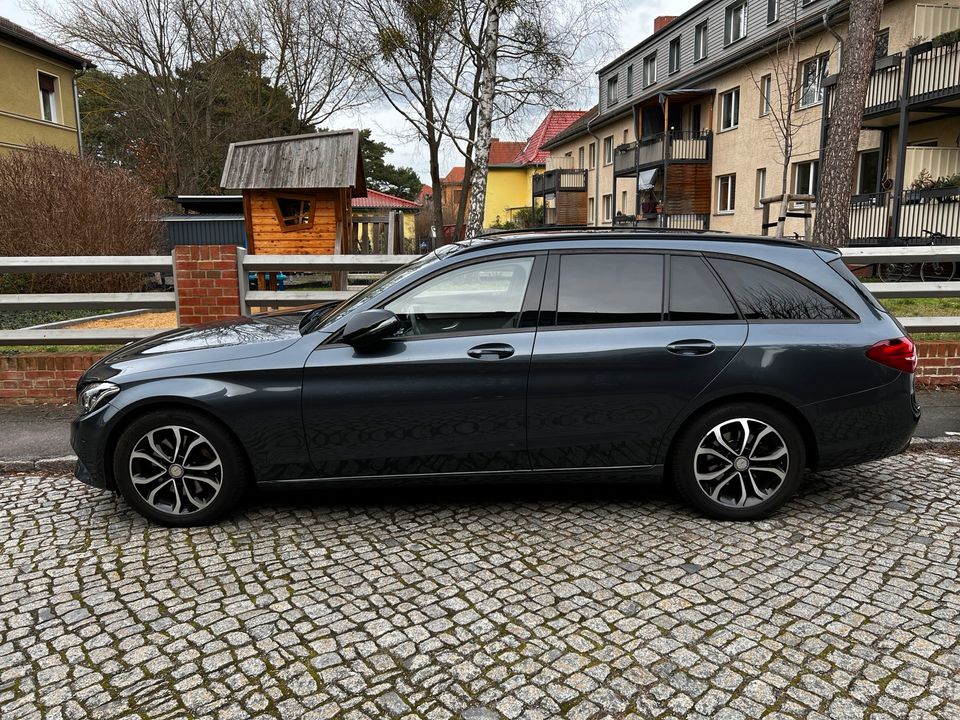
234 339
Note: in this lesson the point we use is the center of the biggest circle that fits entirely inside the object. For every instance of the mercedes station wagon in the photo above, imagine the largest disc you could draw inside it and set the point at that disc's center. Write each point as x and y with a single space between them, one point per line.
726 365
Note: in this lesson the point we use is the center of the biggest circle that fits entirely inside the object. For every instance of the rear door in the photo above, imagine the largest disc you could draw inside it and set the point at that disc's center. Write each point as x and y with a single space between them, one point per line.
627 340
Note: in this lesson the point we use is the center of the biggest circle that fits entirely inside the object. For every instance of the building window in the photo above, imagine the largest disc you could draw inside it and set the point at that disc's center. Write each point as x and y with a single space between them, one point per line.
882 48
730 109
613 93
806 177
868 172
761 186
649 70
48 96
675 55
626 136
726 193
773 11
607 208
580 157
592 210
812 75
766 87
735 23
593 155
608 150
294 212
623 202
629 80
700 42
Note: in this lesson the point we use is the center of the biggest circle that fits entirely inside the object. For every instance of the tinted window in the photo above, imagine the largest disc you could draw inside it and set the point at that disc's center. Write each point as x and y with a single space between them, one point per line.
765 294
610 288
695 292
482 296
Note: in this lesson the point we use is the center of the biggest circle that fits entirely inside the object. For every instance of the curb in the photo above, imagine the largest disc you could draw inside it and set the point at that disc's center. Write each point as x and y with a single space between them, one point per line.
62 464
67 463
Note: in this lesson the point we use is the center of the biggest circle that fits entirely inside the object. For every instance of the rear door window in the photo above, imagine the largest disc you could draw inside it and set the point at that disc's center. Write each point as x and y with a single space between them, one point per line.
605 288
763 293
695 292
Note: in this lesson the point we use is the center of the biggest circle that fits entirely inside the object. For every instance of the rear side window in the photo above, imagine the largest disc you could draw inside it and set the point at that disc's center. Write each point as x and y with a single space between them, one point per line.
608 288
695 292
766 294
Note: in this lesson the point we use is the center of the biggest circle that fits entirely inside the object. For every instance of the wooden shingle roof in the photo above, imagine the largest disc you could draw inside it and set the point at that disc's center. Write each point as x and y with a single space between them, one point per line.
298 162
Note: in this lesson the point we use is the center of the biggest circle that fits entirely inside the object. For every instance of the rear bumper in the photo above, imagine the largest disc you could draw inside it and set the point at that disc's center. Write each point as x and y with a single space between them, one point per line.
865 426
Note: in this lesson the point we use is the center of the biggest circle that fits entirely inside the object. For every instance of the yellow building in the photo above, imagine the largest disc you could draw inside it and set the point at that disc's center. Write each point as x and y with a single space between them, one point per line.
38 92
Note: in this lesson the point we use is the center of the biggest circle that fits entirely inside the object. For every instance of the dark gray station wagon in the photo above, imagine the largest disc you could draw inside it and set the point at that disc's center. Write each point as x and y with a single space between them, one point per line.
730 364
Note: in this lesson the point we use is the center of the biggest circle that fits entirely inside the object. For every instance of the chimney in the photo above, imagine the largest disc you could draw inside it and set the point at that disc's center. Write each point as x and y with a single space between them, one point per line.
659 23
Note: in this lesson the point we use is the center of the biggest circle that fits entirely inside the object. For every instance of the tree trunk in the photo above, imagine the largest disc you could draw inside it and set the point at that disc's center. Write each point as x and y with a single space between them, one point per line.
832 223
481 149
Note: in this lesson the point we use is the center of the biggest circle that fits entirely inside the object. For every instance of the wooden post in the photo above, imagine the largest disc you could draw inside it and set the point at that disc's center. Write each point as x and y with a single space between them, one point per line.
392 233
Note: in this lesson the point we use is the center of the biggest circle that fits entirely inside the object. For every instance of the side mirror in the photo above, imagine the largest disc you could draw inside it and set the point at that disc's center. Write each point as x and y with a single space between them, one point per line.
369 326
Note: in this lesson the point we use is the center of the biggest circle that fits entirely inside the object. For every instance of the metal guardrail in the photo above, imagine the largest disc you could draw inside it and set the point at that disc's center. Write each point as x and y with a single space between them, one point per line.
362 263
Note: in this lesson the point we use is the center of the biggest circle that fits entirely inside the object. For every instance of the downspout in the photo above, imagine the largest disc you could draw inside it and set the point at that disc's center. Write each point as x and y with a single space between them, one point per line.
596 170
76 105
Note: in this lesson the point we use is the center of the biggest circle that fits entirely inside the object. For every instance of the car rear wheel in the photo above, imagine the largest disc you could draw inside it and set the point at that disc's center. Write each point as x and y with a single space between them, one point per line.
738 462
179 468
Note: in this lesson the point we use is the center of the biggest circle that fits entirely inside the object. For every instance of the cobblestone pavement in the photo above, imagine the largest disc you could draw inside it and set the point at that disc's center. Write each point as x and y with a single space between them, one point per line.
543 602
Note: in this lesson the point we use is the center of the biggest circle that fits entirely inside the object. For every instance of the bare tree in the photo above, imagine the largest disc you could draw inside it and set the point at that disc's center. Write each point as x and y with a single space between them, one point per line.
832 224
781 90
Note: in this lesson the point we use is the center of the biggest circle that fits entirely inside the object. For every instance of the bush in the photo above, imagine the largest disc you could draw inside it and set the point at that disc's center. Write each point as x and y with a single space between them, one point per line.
56 203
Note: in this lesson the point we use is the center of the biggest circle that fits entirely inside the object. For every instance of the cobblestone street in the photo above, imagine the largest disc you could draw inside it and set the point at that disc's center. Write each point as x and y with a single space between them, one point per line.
495 602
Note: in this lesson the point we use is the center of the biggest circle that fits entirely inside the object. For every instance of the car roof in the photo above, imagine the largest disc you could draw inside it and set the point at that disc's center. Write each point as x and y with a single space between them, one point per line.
594 235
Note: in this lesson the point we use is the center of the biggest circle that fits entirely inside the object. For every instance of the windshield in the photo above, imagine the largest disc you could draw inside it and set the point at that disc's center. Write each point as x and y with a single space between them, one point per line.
382 286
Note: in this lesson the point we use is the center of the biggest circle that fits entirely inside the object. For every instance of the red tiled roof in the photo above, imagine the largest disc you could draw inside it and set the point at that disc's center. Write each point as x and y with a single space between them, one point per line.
376 199
555 122
504 152
454 176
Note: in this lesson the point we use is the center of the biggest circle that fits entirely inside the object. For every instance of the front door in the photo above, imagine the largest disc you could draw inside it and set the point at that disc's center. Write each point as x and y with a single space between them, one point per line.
613 367
447 394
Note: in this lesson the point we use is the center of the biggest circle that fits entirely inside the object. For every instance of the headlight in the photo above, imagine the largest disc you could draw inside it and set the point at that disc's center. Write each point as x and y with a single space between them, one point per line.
94 394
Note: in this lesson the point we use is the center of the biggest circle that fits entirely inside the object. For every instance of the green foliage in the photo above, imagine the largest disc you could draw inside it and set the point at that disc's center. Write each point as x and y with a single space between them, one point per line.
175 135
948 38
520 218
381 175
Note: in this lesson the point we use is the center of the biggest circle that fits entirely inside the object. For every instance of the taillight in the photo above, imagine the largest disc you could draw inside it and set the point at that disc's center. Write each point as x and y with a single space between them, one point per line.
899 353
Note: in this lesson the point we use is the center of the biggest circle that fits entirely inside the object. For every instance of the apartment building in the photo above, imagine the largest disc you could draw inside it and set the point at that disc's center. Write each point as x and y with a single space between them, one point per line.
688 128
38 99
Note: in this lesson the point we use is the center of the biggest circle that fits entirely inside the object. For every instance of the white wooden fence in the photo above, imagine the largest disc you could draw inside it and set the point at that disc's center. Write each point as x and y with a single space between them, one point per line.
356 263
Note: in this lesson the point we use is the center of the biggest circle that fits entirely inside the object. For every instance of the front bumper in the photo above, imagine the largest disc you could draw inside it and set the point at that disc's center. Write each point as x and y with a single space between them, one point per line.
88 437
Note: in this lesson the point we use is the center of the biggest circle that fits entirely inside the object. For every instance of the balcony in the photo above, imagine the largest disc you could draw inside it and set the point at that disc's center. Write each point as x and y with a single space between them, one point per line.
560 180
926 217
673 147
676 221
934 75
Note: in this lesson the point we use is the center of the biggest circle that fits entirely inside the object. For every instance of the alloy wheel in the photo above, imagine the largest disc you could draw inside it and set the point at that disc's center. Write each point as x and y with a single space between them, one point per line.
176 470
741 462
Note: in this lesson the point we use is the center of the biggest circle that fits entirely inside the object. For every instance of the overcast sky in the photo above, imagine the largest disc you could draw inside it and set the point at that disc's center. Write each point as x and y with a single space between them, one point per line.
635 23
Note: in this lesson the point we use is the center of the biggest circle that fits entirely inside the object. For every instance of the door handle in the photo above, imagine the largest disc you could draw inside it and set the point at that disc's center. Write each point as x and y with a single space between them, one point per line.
491 351
691 347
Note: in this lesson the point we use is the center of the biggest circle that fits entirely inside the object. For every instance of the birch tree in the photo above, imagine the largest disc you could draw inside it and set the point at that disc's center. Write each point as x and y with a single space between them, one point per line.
832 224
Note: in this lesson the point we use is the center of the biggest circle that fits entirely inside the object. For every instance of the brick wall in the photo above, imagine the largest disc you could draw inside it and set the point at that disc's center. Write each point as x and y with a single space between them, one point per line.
42 377
939 362
207 285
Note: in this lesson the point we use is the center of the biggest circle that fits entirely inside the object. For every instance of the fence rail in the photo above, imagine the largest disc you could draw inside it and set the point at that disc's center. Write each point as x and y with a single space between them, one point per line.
363 263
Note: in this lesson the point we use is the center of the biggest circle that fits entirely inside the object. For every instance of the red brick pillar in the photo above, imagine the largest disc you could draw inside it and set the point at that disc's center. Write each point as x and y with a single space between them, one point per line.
206 282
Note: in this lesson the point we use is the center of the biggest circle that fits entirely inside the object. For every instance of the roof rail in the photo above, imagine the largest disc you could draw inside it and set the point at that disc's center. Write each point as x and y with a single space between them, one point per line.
619 229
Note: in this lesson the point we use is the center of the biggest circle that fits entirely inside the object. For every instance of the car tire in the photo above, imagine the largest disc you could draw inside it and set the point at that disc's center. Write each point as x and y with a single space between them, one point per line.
740 461
179 468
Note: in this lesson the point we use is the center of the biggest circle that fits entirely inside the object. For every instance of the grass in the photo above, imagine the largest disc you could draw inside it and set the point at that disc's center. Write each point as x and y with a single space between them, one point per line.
925 307
17 319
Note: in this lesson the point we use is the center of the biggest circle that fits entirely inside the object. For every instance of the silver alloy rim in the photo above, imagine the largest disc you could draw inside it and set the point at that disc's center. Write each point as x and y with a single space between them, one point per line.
741 462
176 470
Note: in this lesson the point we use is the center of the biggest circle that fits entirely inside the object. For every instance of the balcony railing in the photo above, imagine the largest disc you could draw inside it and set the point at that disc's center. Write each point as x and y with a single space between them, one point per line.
674 146
934 74
926 216
677 221
552 181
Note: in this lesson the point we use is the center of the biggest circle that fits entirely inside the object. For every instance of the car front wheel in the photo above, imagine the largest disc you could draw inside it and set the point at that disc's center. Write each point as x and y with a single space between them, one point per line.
738 462
179 468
